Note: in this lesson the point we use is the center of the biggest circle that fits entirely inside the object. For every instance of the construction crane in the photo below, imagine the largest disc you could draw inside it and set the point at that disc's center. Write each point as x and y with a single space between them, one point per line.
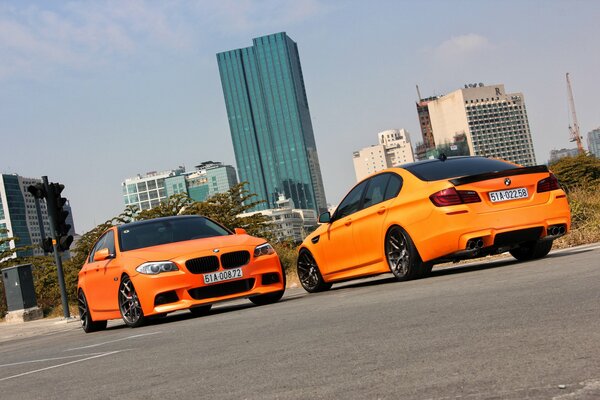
574 129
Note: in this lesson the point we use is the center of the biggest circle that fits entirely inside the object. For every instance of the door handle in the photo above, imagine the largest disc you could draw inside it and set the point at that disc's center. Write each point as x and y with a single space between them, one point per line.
348 222
381 210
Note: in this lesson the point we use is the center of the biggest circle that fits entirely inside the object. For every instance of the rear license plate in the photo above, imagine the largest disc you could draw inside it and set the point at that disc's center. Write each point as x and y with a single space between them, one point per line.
221 276
510 194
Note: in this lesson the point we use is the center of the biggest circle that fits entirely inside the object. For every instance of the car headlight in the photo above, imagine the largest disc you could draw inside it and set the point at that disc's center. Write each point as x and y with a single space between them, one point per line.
263 250
156 267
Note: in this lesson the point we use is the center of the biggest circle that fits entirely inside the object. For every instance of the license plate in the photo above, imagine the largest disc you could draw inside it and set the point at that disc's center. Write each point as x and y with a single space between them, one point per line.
510 194
221 276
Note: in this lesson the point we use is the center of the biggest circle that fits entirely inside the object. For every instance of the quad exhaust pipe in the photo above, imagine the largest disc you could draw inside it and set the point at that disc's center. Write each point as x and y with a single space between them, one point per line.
474 244
555 231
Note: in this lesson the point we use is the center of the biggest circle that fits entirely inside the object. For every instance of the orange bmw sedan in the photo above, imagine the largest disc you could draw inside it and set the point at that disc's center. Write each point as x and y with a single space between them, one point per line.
405 220
151 268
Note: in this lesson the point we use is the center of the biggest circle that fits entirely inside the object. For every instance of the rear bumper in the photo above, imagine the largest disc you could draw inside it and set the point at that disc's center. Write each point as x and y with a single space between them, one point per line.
172 291
448 229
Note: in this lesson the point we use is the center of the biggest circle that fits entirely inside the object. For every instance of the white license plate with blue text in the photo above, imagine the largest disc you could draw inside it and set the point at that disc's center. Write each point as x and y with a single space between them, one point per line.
221 276
510 194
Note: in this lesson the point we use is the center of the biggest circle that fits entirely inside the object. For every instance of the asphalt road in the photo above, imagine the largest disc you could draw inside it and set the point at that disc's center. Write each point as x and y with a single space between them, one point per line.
492 330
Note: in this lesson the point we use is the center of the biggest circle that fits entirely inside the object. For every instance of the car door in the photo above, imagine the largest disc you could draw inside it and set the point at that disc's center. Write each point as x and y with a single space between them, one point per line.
368 224
337 243
99 277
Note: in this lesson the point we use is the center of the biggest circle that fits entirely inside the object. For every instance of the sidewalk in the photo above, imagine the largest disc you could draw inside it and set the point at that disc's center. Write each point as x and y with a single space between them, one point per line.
44 326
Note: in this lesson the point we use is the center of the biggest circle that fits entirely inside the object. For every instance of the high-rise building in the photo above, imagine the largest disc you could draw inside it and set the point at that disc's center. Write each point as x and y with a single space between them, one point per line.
270 122
425 123
593 139
147 191
208 179
21 216
493 122
393 150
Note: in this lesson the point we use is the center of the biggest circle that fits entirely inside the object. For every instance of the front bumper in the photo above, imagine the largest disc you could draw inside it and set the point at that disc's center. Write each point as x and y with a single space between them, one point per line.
172 291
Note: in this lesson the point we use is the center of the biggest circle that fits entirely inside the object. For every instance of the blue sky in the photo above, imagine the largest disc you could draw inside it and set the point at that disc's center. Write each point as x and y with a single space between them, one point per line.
93 92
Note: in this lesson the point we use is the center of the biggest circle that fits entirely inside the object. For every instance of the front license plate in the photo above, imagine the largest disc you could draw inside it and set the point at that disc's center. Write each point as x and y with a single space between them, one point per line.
510 194
221 276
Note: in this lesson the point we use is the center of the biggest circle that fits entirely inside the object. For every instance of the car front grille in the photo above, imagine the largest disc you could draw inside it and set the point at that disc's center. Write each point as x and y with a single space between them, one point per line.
222 289
235 259
202 265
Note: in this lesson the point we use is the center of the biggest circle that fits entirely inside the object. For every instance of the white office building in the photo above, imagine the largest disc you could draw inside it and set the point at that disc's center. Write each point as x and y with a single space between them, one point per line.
394 149
494 122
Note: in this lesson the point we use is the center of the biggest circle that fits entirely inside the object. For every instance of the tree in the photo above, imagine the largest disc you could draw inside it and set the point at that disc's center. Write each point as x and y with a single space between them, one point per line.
174 205
226 207
581 171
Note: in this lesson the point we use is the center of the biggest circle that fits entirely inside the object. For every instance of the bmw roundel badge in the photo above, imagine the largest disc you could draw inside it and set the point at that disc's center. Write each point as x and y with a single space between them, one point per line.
507 181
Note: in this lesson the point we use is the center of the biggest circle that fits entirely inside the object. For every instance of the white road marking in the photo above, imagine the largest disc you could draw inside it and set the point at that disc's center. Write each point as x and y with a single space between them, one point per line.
48 359
61 365
114 341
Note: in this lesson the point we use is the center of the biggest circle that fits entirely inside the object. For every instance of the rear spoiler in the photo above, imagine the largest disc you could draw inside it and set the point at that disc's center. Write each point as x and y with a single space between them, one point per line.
498 174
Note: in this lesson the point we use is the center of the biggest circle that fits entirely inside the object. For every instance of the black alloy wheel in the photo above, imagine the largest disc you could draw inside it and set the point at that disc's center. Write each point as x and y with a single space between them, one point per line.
401 255
129 304
87 323
531 250
309 274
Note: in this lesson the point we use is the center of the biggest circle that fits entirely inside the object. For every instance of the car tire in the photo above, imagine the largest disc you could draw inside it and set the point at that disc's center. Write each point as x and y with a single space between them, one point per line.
201 311
309 274
129 304
87 323
425 270
401 255
270 298
531 250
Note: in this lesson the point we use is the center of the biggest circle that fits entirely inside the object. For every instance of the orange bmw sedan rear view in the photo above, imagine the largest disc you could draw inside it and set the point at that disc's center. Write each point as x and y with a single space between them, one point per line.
405 220
150 268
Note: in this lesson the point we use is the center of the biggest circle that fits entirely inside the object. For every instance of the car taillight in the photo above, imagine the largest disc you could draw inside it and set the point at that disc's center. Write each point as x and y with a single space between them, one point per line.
548 184
452 197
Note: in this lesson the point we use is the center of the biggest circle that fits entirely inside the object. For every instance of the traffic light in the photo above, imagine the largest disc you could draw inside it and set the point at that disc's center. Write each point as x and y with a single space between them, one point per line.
55 205
37 191
46 245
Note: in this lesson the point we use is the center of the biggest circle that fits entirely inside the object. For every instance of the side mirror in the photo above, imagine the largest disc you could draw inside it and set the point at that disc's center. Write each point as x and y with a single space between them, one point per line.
102 254
240 231
325 218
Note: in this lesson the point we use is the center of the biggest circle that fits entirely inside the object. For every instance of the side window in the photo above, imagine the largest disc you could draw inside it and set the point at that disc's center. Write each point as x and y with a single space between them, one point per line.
351 202
109 242
393 187
99 245
376 190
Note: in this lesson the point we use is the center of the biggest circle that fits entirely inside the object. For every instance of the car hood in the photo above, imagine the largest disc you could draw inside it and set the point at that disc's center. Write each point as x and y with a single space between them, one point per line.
194 247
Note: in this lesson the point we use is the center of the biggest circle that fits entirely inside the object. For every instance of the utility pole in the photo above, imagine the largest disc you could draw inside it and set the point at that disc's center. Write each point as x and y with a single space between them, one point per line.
574 129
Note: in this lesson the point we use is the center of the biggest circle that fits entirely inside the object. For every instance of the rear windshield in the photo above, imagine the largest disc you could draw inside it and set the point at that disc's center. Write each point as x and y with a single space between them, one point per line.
435 170
170 230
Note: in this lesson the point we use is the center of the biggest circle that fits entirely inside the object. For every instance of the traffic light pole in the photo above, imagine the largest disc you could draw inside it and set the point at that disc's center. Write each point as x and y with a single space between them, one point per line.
50 200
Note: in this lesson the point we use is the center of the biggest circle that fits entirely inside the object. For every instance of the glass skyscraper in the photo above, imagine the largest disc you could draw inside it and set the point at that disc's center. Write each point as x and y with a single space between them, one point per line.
270 123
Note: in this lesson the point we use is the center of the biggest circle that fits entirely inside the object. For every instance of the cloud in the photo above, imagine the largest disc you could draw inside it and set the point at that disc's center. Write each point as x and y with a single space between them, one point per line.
35 41
42 38
460 48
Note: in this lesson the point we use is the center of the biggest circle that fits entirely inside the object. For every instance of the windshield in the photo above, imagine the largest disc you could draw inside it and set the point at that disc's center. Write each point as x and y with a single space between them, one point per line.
167 230
434 170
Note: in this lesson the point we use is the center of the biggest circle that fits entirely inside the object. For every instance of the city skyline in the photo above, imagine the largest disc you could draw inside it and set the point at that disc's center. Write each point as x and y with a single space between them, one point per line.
95 92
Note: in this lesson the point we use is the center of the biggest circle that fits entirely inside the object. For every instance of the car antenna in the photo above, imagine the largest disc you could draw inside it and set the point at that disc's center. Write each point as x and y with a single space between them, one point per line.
442 157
